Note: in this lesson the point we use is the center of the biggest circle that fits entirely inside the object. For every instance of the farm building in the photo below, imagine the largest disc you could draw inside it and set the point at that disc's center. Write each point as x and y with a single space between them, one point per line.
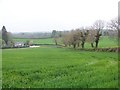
19 44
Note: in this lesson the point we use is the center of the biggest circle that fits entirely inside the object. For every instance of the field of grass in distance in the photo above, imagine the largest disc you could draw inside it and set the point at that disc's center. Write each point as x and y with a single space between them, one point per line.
104 42
52 67
37 41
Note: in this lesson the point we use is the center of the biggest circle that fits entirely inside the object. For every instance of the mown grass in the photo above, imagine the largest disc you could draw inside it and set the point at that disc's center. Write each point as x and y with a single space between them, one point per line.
52 67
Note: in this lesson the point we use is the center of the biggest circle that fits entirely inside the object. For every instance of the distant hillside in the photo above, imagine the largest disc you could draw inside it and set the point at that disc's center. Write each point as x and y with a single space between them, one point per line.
31 35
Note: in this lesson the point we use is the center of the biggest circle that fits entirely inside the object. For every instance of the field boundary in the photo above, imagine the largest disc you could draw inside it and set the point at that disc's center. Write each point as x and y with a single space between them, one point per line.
116 49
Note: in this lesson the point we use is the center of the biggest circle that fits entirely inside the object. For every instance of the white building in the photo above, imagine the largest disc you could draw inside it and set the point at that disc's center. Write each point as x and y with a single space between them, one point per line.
19 44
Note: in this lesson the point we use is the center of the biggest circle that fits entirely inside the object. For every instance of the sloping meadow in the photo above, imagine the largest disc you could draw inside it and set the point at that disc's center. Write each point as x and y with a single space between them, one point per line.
52 67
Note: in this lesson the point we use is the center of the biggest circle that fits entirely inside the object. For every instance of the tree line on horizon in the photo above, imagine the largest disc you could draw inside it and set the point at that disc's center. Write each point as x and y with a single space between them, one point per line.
75 37
79 36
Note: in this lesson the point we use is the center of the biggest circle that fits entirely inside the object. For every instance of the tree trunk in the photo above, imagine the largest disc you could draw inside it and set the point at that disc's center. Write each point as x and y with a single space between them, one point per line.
82 44
74 45
56 43
97 43
92 45
78 44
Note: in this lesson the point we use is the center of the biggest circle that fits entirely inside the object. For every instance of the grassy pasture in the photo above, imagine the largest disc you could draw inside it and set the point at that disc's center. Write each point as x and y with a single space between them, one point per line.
103 43
37 41
52 67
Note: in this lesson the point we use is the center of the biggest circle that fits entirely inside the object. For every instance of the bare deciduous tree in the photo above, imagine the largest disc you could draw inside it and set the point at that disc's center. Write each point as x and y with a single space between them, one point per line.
91 37
67 39
94 33
99 25
71 38
114 25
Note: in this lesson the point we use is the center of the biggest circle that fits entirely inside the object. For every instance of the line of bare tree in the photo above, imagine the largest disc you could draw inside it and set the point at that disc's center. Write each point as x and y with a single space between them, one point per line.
78 37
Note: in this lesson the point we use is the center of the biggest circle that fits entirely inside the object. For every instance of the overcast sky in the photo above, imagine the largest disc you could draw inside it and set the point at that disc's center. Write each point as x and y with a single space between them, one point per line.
48 15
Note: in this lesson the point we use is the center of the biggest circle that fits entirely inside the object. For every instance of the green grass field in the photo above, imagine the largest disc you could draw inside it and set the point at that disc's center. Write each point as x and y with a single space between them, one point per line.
52 67
104 42
37 41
